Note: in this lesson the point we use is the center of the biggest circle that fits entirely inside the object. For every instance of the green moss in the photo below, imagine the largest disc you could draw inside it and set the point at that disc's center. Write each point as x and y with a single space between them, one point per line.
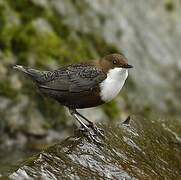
22 40
6 90
169 5
2 24
59 28
27 10
80 6
28 41
47 46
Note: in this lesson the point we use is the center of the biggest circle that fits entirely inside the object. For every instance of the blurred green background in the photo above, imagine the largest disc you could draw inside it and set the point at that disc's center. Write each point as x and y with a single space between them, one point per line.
48 34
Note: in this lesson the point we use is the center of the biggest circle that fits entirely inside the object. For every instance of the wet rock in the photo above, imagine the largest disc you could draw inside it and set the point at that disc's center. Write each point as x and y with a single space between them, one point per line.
11 157
143 149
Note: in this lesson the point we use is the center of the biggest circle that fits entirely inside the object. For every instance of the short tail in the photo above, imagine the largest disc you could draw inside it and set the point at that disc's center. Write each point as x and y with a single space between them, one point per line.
33 73
21 68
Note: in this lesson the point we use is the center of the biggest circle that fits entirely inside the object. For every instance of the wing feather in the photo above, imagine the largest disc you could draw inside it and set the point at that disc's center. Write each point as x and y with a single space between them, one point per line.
74 78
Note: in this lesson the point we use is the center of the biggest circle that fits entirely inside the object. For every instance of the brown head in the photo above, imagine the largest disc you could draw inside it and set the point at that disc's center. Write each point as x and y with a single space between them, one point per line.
112 61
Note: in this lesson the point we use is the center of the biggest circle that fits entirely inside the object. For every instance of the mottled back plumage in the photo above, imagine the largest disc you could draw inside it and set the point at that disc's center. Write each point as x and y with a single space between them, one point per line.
73 78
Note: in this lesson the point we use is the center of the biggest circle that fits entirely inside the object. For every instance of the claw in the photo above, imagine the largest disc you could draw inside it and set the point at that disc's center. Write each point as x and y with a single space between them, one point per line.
82 129
91 130
97 130
91 133
92 137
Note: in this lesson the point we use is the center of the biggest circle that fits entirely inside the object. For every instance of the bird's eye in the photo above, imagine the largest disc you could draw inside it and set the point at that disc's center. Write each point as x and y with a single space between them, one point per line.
114 62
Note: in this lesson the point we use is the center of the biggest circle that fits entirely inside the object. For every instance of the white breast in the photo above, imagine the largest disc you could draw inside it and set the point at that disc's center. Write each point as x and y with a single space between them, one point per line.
114 82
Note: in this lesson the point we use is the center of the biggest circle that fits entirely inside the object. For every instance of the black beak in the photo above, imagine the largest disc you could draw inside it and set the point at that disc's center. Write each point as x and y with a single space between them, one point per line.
127 66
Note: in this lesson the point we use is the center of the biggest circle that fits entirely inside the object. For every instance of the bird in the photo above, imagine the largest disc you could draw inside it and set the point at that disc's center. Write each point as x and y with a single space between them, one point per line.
83 85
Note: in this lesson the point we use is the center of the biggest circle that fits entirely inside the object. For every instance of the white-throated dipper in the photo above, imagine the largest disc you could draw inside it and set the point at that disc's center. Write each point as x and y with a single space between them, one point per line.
83 85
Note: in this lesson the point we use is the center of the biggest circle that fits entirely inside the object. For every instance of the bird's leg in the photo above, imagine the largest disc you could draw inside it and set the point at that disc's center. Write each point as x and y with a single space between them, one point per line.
74 114
90 122
85 128
92 125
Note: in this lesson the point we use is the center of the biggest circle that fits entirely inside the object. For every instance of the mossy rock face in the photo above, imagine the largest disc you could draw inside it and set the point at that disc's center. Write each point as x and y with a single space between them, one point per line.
142 149
35 36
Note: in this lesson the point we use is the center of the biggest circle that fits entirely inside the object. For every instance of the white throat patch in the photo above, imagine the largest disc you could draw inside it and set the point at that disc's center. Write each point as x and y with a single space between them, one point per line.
114 82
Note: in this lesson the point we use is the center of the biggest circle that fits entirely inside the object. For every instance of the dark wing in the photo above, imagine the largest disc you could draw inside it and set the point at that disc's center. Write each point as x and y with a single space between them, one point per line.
73 78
